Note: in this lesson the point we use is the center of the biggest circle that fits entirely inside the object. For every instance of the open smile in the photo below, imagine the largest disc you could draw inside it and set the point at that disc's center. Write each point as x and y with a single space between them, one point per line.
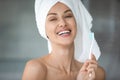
64 32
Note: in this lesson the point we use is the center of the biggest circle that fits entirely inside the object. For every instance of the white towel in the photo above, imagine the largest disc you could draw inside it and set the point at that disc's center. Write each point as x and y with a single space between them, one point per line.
84 25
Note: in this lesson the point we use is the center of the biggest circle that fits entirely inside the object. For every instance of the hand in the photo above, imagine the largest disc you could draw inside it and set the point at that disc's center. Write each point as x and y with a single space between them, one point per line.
88 70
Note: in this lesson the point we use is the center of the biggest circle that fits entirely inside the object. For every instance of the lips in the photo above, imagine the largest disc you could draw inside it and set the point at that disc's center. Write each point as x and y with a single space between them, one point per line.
64 32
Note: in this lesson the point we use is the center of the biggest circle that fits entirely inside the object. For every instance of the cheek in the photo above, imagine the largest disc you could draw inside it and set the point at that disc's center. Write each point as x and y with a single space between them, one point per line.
73 23
74 27
49 30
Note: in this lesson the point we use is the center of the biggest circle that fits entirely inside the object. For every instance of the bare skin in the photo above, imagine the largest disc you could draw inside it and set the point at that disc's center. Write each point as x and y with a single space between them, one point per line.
60 63
45 69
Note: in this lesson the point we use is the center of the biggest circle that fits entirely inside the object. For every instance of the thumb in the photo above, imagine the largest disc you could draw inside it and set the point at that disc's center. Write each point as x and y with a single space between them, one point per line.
93 57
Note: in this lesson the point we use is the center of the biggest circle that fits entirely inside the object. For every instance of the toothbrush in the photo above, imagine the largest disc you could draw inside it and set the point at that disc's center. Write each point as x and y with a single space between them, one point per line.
92 38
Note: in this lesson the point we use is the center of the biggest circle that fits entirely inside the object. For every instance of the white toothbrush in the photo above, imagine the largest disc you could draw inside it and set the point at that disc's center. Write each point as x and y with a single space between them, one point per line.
92 38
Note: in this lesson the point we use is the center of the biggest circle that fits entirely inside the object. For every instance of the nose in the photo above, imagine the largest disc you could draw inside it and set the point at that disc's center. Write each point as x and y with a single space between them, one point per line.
62 22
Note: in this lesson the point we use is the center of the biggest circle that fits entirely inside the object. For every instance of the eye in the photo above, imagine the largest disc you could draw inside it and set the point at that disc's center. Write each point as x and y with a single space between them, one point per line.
53 19
68 16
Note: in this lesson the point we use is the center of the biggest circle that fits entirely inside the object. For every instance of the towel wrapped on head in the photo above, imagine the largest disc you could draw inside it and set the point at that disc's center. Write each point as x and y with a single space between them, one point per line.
83 21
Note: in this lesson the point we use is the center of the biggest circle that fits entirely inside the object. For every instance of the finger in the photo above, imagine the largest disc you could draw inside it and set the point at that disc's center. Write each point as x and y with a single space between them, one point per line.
84 67
92 62
92 66
91 74
93 57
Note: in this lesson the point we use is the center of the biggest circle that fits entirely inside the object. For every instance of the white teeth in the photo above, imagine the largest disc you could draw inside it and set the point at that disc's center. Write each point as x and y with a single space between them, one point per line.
63 32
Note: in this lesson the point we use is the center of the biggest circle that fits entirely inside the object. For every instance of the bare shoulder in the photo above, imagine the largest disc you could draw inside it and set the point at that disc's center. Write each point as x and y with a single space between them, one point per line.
34 70
100 73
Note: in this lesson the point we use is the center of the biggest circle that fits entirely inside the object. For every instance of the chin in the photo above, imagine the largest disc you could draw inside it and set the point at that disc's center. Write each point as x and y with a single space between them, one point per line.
66 43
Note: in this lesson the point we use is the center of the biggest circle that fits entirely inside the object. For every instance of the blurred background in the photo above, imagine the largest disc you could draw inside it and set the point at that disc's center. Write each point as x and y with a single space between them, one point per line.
20 40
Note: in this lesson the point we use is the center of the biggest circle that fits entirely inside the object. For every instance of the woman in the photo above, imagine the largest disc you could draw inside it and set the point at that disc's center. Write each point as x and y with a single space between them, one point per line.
67 32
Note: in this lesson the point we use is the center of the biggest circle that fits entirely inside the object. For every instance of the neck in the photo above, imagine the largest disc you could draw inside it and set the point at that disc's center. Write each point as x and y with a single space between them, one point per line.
63 57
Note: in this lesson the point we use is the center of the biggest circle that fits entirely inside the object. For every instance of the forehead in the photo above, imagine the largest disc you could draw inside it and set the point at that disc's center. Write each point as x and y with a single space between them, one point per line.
58 7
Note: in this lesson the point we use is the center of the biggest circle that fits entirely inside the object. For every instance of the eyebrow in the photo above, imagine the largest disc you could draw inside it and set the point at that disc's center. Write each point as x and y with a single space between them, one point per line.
68 11
56 13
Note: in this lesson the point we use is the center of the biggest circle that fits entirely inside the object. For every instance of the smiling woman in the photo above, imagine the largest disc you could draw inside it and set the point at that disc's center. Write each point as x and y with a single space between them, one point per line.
61 25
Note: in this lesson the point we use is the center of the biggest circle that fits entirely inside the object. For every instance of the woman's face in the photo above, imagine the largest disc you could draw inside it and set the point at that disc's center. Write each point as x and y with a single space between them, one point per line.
60 25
